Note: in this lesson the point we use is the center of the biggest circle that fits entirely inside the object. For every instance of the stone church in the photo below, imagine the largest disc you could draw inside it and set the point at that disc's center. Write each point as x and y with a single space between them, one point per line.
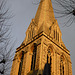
42 52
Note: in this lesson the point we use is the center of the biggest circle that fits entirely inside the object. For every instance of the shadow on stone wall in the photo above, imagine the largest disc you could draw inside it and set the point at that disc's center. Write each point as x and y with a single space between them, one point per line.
33 72
46 70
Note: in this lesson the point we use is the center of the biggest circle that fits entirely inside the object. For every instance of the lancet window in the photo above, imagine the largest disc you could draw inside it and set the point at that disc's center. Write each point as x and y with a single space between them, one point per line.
34 57
21 63
61 66
49 61
32 33
56 35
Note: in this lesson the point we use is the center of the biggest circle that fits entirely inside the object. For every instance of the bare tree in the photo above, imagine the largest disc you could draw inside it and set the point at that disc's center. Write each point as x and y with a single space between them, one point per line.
6 52
65 9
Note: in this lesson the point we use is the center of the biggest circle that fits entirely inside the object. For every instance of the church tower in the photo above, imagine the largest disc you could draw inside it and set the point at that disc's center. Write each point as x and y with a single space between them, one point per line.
42 51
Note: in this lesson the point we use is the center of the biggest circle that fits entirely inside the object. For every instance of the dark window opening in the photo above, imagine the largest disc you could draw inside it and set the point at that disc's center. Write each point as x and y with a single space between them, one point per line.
58 36
34 57
21 63
50 65
63 70
61 66
54 33
49 62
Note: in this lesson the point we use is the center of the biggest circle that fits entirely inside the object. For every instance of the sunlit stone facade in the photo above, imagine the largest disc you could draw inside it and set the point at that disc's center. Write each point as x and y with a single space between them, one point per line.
42 51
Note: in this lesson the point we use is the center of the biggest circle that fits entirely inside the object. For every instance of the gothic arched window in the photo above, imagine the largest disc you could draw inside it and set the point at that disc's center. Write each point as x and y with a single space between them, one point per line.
32 33
56 35
49 61
21 63
34 57
61 66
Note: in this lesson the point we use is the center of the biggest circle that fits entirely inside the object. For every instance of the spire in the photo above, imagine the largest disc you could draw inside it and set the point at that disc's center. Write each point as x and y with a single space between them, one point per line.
44 13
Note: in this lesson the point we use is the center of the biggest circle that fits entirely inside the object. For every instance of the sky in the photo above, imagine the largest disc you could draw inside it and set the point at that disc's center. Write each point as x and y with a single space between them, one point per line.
24 11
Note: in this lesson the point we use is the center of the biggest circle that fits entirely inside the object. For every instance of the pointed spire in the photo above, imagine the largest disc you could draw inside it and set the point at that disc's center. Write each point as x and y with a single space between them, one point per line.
44 13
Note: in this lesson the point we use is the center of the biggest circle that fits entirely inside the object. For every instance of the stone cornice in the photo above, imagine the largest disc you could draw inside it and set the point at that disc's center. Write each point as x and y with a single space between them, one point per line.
48 37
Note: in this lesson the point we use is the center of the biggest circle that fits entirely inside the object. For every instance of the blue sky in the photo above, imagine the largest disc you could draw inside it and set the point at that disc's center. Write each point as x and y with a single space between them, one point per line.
24 11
